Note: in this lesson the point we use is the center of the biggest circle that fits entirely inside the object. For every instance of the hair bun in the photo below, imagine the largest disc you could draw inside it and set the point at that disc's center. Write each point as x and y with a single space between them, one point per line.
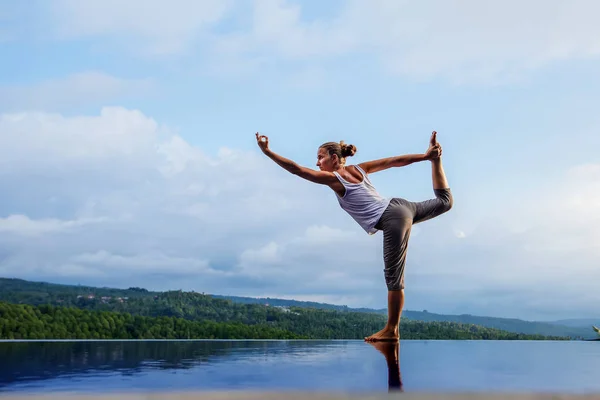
348 150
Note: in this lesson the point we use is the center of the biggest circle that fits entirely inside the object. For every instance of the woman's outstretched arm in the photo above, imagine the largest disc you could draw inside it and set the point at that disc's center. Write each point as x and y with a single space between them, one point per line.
433 152
322 177
398 161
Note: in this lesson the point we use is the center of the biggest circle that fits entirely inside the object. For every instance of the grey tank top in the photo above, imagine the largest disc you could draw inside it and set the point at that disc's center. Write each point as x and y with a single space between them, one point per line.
362 202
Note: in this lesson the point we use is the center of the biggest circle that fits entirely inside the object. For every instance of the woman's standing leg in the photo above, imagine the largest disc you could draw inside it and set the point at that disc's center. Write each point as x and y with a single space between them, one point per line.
396 224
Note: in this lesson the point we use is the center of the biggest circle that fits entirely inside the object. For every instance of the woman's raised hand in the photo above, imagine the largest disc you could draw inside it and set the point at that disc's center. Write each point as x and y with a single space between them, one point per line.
434 152
263 142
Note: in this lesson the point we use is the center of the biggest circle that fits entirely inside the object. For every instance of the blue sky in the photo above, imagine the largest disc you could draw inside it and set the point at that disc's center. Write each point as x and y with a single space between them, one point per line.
129 158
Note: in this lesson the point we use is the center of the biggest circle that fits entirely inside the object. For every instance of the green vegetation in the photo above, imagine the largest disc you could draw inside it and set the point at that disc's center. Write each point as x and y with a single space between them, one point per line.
63 310
507 324
19 321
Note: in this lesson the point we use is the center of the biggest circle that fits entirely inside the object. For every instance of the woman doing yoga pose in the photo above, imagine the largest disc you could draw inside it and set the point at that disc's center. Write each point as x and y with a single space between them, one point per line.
373 212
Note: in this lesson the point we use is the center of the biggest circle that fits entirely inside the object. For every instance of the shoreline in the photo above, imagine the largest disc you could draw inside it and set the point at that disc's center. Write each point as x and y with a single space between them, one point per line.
298 395
287 340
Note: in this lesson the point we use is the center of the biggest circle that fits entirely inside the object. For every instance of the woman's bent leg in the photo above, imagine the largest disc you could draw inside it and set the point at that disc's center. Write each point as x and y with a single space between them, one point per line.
428 209
443 200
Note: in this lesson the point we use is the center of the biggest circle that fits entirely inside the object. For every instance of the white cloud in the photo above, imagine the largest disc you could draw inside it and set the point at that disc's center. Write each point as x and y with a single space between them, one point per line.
52 139
71 91
460 234
528 247
566 224
24 226
268 254
473 40
151 193
461 42
468 41
325 235
161 27
144 263
318 262
118 199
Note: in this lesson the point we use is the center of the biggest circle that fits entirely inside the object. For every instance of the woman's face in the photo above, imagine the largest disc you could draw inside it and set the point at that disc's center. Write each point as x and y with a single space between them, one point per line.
326 162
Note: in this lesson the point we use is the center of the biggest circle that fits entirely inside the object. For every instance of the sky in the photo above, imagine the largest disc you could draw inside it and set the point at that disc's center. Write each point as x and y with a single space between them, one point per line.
128 155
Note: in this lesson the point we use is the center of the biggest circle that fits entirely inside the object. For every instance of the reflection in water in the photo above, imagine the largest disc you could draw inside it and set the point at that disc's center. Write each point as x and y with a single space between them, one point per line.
48 360
391 352
31 363
347 366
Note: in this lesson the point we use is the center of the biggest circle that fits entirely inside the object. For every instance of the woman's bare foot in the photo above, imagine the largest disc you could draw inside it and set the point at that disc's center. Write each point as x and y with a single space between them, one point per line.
433 139
386 334
434 151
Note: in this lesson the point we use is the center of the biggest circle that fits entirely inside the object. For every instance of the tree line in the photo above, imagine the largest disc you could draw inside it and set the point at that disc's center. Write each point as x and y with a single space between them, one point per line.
23 321
200 306
84 312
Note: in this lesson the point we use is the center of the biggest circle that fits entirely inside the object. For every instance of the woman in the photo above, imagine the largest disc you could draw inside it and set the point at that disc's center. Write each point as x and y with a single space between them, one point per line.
373 212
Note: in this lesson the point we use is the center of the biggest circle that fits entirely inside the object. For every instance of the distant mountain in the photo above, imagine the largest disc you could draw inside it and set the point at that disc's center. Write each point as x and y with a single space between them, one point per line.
577 322
508 324
35 293
295 303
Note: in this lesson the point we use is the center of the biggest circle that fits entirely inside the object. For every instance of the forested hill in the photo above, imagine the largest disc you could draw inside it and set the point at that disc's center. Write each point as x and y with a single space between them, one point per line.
507 324
29 292
24 321
335 321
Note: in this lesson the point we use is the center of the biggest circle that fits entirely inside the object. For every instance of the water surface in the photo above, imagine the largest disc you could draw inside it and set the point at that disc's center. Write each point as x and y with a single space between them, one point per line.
347 366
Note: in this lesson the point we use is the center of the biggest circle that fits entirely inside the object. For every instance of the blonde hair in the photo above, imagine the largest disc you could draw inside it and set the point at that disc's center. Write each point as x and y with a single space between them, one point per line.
341 149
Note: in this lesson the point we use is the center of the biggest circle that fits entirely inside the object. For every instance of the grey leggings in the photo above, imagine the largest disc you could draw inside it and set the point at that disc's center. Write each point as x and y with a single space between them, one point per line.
396 223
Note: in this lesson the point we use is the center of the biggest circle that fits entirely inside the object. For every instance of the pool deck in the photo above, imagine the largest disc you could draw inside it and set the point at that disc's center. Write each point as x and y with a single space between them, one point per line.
254 395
